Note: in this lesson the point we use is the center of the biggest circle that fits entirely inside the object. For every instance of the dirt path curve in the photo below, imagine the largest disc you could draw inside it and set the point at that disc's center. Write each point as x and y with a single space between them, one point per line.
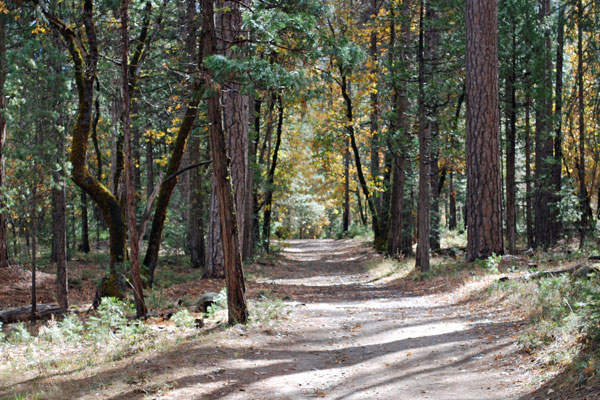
349 338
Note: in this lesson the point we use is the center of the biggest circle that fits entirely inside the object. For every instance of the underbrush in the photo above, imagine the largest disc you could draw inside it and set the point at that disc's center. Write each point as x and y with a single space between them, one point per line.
72 344
564 321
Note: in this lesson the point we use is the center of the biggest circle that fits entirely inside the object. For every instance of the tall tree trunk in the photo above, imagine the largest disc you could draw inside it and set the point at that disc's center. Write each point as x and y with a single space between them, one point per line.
3 73
399 128
234 274
528 193
85 60
357 162
511 134
423 208
583 195
557 165
271 178
544 235
484 235
236 108
134 260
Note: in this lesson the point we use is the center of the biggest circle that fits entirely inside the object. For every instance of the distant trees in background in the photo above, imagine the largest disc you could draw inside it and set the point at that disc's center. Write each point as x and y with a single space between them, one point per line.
337 118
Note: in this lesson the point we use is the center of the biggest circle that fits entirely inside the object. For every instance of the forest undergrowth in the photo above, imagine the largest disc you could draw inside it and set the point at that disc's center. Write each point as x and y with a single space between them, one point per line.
560 337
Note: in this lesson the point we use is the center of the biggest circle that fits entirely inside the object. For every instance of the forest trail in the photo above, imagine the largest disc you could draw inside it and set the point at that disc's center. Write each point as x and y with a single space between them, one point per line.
350 337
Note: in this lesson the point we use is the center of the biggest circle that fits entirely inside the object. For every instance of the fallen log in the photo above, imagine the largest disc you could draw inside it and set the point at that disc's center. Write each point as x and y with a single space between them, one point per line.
579 271
24 313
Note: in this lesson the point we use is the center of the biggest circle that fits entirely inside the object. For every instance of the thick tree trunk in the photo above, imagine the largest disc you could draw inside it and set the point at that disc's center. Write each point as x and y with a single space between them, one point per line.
234 274
236 113
423 208
484 235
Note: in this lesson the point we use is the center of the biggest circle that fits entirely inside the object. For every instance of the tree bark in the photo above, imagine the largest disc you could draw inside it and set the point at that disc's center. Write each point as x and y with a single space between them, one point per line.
484 235
236 115
234 275
423 207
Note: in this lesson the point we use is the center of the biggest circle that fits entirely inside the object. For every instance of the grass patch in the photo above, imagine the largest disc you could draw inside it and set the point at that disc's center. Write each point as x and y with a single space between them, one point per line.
389 267
564 321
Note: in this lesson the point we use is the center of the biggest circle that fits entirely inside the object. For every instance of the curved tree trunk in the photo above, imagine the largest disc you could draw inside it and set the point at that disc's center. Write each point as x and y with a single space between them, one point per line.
85 60
166 188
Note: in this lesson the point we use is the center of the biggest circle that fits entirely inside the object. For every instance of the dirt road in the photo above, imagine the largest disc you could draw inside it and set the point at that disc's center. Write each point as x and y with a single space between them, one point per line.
349 337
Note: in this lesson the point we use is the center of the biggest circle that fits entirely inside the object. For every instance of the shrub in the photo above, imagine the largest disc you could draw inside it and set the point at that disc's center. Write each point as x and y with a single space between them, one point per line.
20 334
183 319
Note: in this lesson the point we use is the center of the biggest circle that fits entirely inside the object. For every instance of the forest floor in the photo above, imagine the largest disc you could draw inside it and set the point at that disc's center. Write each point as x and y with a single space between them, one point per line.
345 326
